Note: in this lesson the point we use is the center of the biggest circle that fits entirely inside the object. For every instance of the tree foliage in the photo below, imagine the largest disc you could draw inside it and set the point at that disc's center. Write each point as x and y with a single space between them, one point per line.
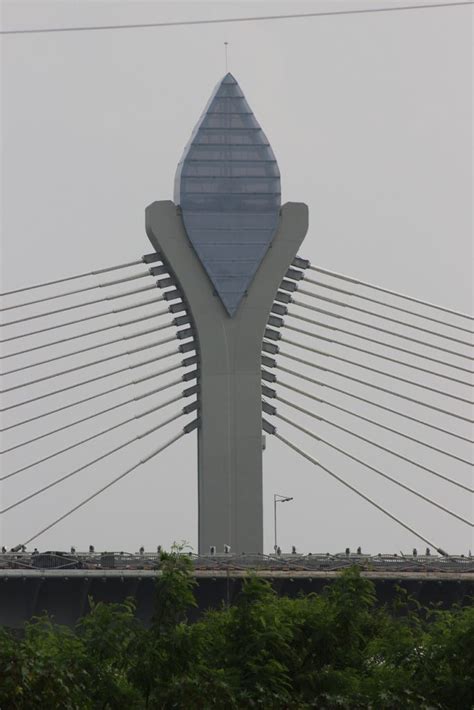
338 649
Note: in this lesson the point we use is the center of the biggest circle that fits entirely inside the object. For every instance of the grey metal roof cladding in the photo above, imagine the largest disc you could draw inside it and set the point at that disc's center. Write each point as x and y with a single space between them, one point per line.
228 186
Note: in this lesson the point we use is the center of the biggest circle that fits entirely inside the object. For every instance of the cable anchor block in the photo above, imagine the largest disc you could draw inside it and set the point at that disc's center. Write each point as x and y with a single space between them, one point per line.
151 258
268 428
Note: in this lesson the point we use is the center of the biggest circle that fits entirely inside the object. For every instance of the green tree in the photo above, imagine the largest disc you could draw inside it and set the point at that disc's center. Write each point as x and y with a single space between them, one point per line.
338 649
45 669
167 650
109 634
446 666
258 648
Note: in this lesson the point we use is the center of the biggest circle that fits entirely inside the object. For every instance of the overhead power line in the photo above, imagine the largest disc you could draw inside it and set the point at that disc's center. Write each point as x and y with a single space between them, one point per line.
96 272
392 293
378 446
321 284
231 20
359 493
375 470
384 317
302 304
111 483
373 421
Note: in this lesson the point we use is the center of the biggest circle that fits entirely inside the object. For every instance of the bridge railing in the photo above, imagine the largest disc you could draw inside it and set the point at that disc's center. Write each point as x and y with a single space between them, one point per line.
317 562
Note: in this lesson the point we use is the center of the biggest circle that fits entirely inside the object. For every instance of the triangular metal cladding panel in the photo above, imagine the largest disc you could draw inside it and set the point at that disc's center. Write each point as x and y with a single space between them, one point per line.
228 187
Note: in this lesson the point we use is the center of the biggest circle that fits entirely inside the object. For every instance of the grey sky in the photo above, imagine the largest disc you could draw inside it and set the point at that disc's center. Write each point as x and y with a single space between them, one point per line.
370 120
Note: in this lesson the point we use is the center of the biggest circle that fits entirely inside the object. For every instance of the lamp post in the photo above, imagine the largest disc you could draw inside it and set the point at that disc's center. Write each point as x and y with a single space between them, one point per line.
277 498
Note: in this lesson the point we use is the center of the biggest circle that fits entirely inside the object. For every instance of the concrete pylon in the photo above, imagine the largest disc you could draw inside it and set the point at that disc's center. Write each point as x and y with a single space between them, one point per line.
229 350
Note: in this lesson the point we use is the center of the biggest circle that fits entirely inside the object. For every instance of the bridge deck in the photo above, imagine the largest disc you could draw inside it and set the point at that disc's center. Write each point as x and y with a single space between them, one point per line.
211 574
61 584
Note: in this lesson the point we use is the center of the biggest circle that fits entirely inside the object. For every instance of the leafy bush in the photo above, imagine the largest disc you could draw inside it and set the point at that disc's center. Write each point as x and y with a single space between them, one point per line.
333 650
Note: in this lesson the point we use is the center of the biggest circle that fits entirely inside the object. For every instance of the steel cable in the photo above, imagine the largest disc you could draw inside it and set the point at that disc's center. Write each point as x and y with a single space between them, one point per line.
375 470
385 305
373 354
374 422
66 476
78 290
108 485
382 389
136 334
92 379
113 407
77 276
112 311
377 342
132 321
82 305
93 436
384 317
379 372
374 404
379 329
378 446
155 344
359 493
392 293
131 383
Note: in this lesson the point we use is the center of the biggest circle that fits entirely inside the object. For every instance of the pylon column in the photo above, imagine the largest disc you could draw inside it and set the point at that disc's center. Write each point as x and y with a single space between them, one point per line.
230 432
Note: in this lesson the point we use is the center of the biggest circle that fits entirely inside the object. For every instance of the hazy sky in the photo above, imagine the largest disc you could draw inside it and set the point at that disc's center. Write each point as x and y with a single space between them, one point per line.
370 119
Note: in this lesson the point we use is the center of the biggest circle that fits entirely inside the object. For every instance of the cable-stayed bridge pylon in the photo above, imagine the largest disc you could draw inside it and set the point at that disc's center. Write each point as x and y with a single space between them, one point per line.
242 338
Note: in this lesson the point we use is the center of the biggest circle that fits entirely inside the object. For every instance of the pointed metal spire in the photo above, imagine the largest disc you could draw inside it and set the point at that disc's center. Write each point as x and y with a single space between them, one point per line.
228 186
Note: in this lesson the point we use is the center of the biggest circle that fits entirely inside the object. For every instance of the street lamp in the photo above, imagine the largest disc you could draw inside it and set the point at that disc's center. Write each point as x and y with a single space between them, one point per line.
277 498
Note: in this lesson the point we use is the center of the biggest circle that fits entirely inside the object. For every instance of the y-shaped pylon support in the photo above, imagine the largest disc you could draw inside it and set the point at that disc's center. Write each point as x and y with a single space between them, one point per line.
230 496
